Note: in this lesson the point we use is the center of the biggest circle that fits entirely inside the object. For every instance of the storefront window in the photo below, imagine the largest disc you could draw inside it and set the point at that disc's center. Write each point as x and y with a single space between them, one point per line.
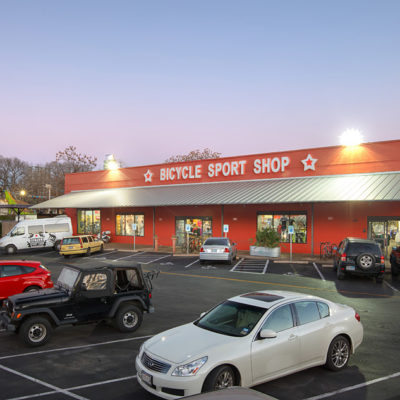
200 229
89 222
281 222
124 224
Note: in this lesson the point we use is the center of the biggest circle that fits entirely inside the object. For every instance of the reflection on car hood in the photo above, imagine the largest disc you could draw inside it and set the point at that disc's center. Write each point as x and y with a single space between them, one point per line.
35 298
186 343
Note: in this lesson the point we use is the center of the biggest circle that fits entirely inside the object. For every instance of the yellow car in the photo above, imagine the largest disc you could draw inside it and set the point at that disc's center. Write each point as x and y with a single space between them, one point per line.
82 244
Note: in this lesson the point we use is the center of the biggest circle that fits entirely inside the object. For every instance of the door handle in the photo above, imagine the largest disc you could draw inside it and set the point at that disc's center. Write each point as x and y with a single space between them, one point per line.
292 337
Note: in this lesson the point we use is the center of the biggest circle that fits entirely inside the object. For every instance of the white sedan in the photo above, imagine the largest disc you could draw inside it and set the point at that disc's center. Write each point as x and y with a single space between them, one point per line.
247 340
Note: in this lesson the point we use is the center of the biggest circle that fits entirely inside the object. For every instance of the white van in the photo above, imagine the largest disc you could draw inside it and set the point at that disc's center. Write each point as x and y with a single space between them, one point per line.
36 234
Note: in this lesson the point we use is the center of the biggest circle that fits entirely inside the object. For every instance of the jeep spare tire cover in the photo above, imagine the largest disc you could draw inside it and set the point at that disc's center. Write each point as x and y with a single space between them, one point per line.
365 261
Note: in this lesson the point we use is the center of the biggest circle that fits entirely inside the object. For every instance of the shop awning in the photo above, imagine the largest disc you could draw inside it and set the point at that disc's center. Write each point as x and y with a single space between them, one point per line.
354 187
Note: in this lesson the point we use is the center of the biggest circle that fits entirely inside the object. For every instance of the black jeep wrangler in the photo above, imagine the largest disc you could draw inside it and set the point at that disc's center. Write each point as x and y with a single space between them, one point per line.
119 294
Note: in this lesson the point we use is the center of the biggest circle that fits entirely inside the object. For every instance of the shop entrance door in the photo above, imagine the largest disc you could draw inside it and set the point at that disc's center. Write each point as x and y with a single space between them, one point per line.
383 230
200 229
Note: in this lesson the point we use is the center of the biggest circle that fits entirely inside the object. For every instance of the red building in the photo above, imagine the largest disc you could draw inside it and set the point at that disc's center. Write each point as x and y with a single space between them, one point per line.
326 194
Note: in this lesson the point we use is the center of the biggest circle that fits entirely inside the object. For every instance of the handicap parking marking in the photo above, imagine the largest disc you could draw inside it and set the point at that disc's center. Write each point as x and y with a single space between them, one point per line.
251 266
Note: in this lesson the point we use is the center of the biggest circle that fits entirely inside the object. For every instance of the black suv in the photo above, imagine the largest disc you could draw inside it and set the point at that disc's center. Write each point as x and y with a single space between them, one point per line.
119 294
359 257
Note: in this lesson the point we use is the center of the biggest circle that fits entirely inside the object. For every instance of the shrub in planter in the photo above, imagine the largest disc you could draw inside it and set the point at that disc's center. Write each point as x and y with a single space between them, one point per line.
267 244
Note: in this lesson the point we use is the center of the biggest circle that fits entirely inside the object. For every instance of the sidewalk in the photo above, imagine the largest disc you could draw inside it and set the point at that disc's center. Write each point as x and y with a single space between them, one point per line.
241 253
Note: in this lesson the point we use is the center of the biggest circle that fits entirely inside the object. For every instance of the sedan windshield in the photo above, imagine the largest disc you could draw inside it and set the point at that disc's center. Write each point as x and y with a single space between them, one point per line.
231 318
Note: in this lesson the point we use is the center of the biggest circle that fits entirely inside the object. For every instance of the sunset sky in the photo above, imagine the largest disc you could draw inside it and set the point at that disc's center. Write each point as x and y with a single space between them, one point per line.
149 79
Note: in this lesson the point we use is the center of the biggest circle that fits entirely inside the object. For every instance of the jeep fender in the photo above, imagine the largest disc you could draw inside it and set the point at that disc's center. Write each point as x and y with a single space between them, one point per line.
124 300
53 317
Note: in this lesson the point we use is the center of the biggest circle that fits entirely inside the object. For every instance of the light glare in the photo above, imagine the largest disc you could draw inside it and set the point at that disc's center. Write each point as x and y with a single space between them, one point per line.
351 137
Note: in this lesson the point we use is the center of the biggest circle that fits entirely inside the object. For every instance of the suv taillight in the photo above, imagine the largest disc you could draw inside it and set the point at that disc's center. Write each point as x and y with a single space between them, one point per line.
226 250
343 257
202 250
382 260
358 318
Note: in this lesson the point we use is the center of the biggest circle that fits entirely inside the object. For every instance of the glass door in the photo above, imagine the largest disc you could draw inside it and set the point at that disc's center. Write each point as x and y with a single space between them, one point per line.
199 229
383 230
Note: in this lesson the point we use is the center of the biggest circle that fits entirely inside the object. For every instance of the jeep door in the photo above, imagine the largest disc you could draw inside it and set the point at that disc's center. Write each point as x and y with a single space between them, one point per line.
94 295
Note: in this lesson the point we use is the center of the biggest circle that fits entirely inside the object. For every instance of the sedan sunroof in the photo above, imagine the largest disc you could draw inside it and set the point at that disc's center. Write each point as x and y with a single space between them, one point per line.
267 297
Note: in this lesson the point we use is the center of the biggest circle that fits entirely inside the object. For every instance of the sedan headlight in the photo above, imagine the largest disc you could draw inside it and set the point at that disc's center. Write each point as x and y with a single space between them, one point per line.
190 369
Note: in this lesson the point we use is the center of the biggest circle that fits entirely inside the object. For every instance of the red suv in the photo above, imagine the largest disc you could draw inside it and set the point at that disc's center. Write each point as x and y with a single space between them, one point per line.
22 276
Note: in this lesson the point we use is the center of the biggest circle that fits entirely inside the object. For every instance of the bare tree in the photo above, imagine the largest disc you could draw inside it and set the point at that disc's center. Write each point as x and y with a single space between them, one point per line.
72 161
12 173
193 155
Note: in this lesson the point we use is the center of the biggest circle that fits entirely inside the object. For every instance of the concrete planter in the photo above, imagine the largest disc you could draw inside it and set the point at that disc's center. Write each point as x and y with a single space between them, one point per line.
265 251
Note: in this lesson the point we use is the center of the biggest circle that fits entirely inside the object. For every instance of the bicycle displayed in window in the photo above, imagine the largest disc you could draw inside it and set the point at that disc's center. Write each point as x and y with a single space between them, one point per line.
327 249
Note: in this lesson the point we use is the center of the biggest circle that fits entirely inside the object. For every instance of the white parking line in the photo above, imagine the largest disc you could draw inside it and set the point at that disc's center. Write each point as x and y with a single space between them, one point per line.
31 396
319 272
391 287
130 255
55 388
106 254
86 346
194 262
151 261
347 389
234 267
266 266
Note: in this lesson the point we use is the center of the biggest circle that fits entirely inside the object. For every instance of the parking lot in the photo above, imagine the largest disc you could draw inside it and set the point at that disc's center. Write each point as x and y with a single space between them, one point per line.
97 361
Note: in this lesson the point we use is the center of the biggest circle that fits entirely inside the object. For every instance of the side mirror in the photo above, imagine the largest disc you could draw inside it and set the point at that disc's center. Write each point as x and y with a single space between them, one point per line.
267 334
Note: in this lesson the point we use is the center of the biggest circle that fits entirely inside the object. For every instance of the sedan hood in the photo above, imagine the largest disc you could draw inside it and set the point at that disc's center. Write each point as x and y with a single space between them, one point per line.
185 343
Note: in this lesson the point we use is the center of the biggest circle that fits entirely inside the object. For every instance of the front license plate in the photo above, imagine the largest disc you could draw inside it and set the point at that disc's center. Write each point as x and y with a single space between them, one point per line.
146 378
350 268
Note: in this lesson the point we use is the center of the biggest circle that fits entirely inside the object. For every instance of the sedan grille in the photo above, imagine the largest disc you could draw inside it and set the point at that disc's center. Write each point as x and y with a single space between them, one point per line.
155 365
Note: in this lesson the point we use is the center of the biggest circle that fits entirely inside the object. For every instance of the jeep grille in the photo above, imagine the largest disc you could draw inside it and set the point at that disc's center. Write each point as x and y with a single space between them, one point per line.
155 365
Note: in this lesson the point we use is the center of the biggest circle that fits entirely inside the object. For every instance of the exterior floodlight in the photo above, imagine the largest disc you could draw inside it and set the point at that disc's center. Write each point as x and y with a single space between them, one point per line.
351 137
110 162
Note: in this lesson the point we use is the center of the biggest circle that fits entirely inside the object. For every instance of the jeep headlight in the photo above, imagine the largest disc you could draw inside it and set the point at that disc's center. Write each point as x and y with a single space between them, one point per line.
191 368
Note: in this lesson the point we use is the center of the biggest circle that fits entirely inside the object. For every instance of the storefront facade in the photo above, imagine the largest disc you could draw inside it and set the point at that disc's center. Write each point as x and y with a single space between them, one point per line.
326 194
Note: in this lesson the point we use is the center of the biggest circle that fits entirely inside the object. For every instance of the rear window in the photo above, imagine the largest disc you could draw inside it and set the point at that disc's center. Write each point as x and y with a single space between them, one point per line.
216 242
358 248
71 241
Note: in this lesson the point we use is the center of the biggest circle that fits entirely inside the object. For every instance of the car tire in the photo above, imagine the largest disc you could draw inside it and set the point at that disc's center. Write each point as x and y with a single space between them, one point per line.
128 318
394 269
57 245
32 289
219 378
339 273
334 265
365 261
338 353
101 248
10 249
35 331
88 252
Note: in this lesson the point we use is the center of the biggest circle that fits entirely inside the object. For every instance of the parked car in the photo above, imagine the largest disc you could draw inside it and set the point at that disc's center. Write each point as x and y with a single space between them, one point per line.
218 249
82 244
22 276
359 257
118 294
247 340
36 234
395 261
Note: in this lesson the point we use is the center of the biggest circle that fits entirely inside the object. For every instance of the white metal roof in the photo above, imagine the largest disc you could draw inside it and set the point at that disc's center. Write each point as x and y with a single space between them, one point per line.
383 186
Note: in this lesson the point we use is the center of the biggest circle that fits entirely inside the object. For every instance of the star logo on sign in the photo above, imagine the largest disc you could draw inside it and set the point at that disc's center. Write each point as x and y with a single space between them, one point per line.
148 175
309 163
